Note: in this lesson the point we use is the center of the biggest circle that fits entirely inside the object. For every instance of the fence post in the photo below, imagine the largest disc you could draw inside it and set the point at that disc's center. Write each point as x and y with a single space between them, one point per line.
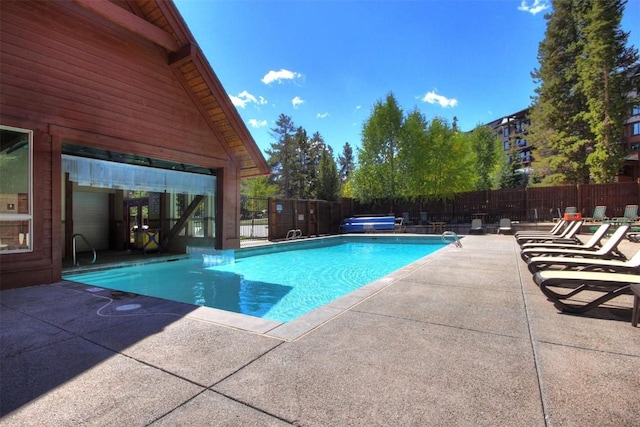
579 197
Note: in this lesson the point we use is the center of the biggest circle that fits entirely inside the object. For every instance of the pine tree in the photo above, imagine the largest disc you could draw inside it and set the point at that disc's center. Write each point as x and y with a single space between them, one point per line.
603 81
346 162
328 178
558 133
299 167
316 149
579 109
282 155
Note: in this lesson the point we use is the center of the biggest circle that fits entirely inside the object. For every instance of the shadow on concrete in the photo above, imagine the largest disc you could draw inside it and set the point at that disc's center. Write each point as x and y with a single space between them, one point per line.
44 341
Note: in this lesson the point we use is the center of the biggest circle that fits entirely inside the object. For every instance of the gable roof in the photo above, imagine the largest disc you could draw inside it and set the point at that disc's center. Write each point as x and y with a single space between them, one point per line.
160 22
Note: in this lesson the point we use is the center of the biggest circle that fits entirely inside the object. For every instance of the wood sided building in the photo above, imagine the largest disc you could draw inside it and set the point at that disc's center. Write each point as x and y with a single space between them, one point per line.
113 126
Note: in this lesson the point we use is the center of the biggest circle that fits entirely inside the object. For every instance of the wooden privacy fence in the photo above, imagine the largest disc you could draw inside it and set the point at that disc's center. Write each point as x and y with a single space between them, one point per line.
535 204
522 204
310 217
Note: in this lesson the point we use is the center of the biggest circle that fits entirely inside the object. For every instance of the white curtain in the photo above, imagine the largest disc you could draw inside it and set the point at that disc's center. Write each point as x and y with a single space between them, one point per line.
103 174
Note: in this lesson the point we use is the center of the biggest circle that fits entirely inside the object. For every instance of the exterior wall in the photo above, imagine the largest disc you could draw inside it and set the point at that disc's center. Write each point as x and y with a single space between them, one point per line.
73 77
512 132
43 263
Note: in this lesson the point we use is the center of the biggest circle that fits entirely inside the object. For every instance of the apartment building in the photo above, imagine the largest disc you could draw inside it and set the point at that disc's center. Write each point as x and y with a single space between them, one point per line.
512 132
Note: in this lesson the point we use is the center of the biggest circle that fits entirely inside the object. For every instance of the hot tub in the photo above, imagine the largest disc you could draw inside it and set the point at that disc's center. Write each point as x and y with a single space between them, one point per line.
368 223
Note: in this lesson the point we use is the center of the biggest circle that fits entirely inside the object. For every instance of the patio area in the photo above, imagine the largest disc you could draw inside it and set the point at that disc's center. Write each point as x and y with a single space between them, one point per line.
463 337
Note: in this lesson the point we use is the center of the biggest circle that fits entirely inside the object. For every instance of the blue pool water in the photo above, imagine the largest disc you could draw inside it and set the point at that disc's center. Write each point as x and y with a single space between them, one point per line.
276 285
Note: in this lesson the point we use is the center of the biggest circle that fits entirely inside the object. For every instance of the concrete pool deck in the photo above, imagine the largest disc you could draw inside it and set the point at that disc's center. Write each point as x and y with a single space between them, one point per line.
464 337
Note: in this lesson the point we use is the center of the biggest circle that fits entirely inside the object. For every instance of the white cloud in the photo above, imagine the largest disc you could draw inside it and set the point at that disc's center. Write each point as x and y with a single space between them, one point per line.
322 115
244 98
297 101
433 98
537 6
279 76
254 123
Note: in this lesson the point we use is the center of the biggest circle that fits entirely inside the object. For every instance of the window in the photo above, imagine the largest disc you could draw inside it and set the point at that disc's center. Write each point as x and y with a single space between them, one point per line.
635 110
16 207
635 130
519 126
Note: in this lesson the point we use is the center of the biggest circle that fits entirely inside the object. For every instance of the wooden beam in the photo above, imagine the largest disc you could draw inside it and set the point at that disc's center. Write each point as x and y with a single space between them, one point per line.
131 22
184 54
182 221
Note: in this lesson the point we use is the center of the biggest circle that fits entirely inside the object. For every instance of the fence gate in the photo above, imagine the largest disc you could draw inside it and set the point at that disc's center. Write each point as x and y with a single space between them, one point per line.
254 219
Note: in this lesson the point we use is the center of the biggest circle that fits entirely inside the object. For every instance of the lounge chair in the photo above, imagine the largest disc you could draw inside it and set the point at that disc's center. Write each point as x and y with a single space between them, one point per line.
476 226
555 230
568 233
611 284
540 263
504 225
630 214
406 219
592 243
568 209
599 214
424 220
608 251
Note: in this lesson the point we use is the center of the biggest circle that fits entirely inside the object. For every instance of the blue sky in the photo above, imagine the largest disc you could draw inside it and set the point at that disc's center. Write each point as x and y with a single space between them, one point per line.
326 63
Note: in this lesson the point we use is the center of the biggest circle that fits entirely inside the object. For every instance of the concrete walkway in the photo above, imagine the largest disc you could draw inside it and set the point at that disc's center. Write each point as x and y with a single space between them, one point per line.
462 338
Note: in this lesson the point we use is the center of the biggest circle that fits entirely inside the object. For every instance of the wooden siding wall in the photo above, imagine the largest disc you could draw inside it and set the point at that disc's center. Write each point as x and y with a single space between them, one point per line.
90 76
81 79
42 264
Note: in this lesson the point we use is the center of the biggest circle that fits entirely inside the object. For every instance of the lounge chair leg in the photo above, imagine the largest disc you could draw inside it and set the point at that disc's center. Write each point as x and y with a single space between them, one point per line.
557 298
635 314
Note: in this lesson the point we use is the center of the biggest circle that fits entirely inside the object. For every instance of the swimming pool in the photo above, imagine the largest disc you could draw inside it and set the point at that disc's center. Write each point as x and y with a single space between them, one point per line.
279 282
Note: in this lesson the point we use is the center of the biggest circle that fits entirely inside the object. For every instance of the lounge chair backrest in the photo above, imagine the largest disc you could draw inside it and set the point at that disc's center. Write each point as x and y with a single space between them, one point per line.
571 230
570 209
598 235
559 225
505 223
599 212
631 212
476 223
613 241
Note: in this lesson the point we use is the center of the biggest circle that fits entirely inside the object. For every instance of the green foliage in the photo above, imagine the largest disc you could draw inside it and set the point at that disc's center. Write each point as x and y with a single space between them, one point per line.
488 150
347 190
605 87
294 159
328 178
258 187
452 161
557 132
409 157
347 162
281 155
581 102
378 175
